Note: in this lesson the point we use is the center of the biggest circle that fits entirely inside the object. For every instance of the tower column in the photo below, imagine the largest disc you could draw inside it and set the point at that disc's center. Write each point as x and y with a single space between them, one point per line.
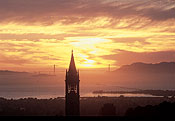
72 97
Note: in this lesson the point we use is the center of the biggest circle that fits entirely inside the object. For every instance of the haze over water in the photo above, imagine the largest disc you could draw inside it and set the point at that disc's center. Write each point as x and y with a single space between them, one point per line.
21 85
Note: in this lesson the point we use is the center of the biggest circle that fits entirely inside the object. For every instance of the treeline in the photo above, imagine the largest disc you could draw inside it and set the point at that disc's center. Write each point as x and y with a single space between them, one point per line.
164 109
89 106
31 107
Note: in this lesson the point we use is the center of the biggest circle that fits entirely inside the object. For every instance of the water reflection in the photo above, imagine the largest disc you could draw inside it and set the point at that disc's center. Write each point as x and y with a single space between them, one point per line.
118 95
47 95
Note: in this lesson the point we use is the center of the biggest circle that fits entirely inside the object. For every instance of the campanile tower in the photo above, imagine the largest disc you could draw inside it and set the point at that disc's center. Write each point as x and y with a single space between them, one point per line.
72 102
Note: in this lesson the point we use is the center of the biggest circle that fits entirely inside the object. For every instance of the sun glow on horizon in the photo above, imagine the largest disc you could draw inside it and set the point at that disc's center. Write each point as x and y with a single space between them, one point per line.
90 52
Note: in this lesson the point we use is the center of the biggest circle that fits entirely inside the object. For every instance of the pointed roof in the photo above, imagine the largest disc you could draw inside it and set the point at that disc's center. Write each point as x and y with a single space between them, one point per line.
72 67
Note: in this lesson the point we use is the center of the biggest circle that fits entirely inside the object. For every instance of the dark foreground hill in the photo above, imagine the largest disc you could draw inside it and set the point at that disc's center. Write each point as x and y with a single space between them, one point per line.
164 109
89 106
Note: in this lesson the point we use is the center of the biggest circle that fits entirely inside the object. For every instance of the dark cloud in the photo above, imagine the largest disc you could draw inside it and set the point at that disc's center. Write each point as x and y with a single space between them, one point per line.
123 57
47 58
14 60
142 40
16 44
31 36
161 14
47 12
22 48
36 37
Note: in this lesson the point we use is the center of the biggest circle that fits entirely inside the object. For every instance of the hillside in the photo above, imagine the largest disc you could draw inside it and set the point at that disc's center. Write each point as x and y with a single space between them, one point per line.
139 67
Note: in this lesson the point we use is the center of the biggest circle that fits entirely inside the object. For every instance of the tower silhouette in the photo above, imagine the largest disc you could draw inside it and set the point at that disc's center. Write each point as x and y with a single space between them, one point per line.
72 102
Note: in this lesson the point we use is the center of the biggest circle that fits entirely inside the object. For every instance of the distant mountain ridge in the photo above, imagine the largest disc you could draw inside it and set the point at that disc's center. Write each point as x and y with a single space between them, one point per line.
8 72
139 67
11 72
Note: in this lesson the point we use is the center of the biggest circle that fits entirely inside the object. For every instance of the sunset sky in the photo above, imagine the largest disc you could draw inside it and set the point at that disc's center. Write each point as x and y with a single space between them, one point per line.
36 34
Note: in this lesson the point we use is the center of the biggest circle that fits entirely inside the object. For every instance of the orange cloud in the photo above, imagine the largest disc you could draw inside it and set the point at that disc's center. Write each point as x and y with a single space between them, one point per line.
45 31
127 57
48 12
